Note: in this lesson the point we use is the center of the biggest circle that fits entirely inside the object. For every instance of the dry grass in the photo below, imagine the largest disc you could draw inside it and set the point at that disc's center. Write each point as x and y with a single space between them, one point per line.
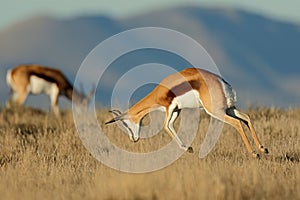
42 157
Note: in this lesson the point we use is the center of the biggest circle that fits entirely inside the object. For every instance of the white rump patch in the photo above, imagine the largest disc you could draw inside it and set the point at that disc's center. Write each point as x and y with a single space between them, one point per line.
229 93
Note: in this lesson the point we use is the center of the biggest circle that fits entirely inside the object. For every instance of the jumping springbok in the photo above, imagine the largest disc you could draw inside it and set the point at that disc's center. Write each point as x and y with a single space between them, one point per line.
36 79
189 88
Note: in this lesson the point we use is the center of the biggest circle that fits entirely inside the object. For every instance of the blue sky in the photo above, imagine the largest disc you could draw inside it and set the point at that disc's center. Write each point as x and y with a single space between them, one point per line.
13 11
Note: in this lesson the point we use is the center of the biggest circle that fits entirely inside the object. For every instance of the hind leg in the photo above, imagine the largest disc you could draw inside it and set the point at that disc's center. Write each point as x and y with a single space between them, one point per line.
17 98
21 98
12 100
238 126
246 119
236 123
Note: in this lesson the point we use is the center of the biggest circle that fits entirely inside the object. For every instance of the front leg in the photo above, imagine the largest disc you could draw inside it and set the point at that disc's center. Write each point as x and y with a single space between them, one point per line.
171 116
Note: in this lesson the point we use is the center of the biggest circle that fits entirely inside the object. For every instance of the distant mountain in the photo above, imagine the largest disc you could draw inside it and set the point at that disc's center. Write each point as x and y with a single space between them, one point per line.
257 55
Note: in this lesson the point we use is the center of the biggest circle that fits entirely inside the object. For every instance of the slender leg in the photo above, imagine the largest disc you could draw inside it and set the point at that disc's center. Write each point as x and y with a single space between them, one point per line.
171 116
55 108
13 99
238 126
247 120
22 95
236 123
17 97
54 100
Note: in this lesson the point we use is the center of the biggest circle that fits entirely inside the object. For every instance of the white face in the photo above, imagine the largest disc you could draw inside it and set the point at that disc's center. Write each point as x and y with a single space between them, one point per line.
133 130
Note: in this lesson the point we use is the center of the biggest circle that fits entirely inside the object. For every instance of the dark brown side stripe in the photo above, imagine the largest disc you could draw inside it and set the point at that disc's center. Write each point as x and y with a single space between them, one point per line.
182 89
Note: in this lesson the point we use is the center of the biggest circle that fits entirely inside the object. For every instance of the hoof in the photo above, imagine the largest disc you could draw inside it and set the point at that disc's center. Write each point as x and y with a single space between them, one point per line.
264 150
134 140
190 150
255 155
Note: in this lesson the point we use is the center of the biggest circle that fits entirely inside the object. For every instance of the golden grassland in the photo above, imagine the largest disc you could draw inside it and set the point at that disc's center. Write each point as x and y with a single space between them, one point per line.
42 157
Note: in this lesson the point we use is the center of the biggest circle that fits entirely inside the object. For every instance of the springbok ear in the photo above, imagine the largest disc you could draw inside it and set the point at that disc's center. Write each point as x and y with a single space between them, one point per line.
118 116
87 98
116 112
92 92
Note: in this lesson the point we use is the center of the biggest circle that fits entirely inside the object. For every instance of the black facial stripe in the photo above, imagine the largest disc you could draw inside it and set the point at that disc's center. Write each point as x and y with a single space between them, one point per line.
126 125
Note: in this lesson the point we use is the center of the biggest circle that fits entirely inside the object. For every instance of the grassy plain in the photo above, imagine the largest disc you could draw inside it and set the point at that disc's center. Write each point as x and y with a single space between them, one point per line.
42 157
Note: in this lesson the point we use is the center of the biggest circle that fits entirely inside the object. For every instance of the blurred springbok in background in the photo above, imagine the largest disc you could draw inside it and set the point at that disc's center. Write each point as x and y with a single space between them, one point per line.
36 79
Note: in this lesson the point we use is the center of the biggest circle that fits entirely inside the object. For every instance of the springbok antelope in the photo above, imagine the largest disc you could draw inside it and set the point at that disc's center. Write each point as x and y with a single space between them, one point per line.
190 88
36 79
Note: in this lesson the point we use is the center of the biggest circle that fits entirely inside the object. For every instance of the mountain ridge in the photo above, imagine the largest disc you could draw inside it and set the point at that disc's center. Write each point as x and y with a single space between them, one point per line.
256 54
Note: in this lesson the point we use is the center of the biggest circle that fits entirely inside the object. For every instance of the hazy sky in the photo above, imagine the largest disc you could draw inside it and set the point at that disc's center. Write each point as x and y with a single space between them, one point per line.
16 10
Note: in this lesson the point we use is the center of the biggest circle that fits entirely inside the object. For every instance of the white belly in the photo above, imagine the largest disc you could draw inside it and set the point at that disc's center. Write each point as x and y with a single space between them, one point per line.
38 86
188 100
